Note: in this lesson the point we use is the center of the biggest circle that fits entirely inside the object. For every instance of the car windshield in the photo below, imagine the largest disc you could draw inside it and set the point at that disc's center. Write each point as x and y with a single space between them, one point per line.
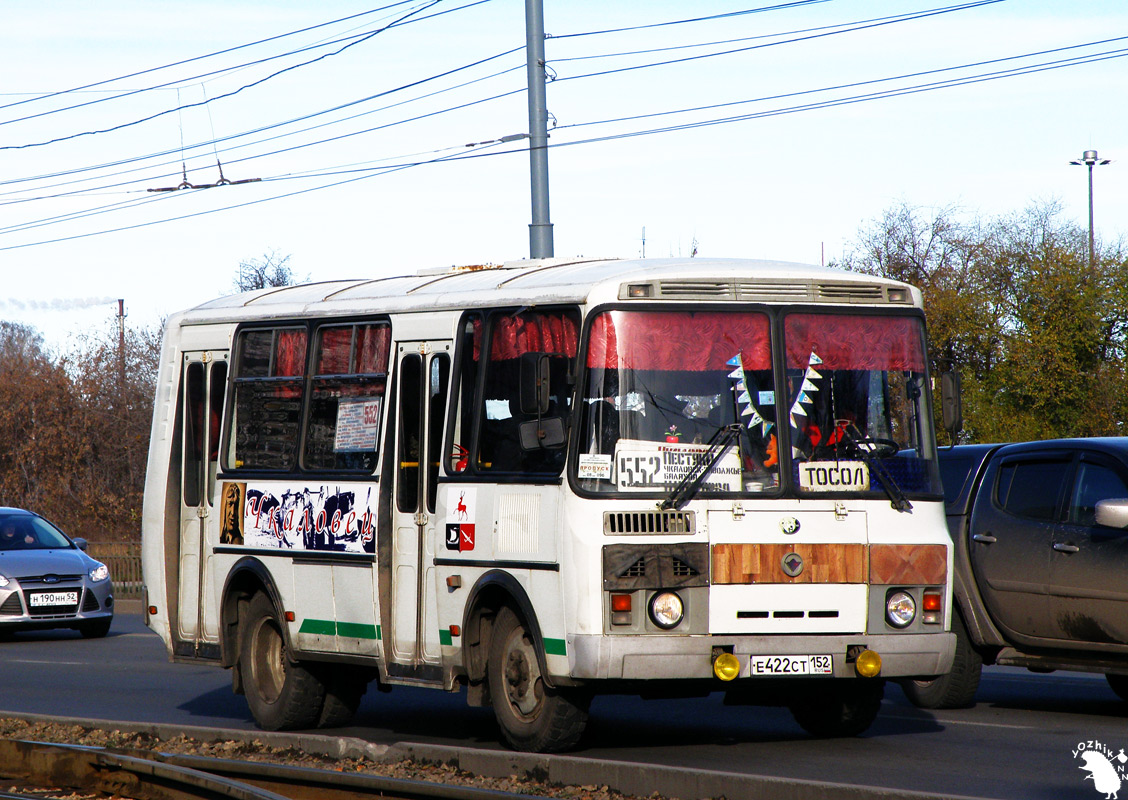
661 385
25 532
856 404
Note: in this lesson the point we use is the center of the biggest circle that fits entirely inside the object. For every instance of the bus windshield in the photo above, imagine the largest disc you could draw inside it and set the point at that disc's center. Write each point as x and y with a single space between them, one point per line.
851 417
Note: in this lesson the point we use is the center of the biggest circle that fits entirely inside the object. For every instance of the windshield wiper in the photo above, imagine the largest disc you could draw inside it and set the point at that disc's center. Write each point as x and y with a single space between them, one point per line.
868 449
690 485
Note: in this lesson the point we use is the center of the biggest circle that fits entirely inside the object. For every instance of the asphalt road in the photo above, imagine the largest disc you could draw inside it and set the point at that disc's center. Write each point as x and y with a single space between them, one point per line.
1018 741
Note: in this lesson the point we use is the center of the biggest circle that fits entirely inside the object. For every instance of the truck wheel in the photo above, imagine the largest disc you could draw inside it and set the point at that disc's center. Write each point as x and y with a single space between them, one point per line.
283 695
1119 684
957 688
533 716
845 709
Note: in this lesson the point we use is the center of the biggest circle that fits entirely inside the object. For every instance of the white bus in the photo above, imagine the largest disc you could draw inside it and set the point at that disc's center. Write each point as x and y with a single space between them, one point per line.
542 480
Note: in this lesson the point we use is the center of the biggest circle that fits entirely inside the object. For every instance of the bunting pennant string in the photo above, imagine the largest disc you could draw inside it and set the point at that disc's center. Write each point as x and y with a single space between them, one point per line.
806 389
744 398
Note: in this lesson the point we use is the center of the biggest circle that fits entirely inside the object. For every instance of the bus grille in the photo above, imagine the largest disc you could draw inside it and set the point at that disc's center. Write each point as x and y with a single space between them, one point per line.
774 291
623 522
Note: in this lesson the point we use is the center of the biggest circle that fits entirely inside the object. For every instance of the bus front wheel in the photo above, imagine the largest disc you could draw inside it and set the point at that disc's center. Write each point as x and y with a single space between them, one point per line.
532 715
282 694
845 708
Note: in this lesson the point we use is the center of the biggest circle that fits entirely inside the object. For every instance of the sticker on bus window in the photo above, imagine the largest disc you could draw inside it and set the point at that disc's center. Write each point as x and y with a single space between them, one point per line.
594 466
358 422
647 466
834 476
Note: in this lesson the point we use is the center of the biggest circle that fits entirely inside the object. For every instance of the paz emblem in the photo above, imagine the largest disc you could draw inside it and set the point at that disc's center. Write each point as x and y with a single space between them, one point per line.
789 525
792 564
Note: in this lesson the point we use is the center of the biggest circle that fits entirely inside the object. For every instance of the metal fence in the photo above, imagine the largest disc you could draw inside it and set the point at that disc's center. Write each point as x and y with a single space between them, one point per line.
124 561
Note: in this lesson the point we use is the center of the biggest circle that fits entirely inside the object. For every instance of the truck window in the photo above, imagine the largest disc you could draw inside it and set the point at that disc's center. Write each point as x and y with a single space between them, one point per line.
1094 483
1031 489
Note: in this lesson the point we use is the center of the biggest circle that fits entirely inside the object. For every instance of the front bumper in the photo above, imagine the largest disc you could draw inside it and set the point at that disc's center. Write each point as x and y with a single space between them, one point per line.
93 601
593 657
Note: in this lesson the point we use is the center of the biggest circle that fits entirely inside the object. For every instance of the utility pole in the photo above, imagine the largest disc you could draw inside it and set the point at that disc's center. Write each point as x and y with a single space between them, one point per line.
540 231
121 344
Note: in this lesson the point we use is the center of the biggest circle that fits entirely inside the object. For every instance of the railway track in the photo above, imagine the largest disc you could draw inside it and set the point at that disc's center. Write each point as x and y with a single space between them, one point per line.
156 776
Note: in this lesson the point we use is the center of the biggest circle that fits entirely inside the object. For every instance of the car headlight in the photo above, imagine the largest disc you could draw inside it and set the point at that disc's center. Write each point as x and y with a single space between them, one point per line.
900 609
4 581
99 573
666 610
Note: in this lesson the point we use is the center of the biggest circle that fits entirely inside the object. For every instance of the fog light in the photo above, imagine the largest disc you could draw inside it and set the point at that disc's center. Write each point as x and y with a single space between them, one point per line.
868 664
726 666
900 609
666 610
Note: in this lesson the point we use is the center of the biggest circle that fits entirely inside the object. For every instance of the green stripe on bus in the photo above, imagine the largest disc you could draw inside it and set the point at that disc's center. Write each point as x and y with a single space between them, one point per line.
351 630
356 630
445 638
555 647
321 627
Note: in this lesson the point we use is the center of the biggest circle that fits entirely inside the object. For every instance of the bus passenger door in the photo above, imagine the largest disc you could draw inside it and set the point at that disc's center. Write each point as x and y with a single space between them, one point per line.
423 383
203 384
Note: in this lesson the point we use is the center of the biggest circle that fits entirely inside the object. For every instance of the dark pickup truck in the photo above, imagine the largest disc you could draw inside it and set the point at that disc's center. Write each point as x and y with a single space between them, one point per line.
1041 562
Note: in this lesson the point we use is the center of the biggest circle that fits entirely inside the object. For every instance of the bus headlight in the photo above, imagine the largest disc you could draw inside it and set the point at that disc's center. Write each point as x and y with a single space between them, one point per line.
900 609
666 610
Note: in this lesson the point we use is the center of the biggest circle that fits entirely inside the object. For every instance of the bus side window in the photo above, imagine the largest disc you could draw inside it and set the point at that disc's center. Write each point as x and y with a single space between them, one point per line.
347 397
510 335
465 383
270 369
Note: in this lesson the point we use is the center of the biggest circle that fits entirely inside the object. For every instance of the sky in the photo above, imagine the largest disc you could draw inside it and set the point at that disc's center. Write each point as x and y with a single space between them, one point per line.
369 134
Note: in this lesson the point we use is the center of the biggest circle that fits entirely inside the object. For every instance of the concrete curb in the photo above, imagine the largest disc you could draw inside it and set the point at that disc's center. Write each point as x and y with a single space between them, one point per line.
627 777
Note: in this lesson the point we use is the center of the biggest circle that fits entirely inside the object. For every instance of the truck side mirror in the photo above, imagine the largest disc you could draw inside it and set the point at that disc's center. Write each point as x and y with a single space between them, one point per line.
951 404
1113 513
535 379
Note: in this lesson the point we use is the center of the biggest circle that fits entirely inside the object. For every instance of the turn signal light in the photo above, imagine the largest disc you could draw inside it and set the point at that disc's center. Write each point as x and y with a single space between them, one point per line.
620 602
726 666
868 664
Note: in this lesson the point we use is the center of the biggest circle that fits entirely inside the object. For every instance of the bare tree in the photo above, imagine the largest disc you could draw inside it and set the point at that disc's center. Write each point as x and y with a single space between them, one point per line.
261 273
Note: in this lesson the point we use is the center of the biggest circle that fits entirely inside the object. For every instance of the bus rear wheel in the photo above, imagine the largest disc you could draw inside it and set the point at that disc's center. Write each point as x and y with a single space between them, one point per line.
283 695
845 708
532 715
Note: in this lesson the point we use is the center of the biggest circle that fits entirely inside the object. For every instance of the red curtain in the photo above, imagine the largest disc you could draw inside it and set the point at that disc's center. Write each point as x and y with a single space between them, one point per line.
855 342
372 345
289 361
533 332
333 358
695 341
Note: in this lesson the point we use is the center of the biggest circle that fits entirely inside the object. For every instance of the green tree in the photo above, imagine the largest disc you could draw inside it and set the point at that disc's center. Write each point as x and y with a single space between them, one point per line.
1038 337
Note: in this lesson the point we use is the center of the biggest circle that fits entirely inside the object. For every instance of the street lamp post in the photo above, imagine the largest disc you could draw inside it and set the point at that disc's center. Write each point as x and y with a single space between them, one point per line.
1090 160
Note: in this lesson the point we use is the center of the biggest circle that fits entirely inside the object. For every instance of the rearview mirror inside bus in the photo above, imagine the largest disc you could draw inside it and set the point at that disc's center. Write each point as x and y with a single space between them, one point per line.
546 432
535 383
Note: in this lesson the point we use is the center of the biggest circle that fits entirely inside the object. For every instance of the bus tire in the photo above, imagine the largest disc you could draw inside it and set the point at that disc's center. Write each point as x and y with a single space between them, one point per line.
957 688
283 694
533 716
343 689
845 709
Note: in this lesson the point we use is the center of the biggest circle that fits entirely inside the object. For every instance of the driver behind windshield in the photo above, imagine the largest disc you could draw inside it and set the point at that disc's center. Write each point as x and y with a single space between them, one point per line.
14 536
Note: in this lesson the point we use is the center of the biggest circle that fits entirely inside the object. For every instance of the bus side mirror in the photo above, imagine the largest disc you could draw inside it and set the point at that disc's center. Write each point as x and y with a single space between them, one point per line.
535 379
951 403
